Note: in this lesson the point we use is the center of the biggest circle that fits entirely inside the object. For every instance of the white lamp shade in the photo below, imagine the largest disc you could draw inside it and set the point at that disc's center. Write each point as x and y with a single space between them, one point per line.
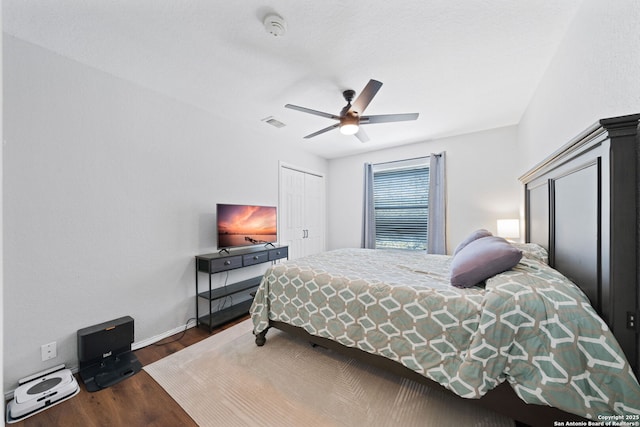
509 228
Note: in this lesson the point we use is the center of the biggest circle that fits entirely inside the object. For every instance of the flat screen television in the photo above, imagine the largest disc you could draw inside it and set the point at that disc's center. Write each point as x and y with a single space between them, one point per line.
246 225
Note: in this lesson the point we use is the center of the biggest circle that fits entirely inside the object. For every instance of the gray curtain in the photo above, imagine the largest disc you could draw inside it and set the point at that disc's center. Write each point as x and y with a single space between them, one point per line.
437 243
368 221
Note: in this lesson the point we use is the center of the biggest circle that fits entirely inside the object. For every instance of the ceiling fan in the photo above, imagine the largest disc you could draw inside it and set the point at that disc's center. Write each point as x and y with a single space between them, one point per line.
351 117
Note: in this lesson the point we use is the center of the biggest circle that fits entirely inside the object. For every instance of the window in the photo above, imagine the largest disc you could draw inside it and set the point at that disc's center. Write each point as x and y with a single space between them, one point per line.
401 204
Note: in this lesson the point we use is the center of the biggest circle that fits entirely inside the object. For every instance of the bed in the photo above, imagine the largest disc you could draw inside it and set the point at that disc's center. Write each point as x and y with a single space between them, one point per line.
553 338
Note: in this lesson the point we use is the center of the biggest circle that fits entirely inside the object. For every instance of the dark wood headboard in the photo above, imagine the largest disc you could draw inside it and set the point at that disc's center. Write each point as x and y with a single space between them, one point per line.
581 204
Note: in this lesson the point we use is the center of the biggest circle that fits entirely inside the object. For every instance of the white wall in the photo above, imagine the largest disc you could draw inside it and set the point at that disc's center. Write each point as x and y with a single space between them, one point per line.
482 184
593 75
109 192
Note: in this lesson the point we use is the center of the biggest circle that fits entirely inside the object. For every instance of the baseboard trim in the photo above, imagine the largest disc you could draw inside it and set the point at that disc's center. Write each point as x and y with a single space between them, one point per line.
154 339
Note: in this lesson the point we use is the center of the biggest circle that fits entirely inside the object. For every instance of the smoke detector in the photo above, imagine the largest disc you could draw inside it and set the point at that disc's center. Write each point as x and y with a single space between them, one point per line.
275 25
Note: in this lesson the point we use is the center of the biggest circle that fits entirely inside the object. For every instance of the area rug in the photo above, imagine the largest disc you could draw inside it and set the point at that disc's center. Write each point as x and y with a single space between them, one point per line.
226 380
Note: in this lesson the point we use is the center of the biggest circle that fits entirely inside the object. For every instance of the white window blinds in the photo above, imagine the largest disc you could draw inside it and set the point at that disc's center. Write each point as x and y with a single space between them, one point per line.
401 205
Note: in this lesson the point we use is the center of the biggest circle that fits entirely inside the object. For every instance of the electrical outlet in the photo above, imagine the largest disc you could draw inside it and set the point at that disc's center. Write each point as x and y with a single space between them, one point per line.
48 351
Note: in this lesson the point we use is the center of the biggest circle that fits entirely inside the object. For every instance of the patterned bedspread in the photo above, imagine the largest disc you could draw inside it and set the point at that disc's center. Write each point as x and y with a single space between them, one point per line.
529 326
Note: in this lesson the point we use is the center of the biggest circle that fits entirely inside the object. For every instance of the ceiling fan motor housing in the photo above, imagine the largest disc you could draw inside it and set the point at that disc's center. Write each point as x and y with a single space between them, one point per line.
348 95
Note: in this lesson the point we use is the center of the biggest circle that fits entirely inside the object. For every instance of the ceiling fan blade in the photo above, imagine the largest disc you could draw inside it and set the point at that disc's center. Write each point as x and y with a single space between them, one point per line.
310 111
321 131
386 118
365 97
362 135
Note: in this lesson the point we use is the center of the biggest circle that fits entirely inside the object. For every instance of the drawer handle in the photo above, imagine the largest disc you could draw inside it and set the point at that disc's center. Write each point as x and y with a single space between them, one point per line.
255 257
227 262
278 253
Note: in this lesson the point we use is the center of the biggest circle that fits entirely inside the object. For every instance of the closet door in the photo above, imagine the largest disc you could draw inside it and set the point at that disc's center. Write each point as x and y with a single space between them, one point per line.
301 212
292 211
313 214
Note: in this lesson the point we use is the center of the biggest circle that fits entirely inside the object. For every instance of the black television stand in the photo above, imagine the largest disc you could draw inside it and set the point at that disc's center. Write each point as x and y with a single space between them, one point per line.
239 293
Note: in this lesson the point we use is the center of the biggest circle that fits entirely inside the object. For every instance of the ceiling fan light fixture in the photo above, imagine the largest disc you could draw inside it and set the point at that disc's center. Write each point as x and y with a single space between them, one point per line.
349 123
349 129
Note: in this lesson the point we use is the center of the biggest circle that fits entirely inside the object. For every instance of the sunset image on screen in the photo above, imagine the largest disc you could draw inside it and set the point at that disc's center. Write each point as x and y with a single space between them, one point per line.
243 224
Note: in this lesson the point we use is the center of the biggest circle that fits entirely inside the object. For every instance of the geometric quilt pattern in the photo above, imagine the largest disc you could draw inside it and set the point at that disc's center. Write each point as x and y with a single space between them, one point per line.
529 326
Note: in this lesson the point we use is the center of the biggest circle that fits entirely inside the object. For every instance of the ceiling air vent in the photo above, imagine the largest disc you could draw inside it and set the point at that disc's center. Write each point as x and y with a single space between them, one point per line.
273 122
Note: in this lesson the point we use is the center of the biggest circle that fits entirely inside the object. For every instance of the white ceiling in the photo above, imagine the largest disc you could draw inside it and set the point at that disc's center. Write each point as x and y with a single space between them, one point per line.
464 65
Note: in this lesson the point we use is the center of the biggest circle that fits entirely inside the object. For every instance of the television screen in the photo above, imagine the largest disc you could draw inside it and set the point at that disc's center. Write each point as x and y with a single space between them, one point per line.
246 225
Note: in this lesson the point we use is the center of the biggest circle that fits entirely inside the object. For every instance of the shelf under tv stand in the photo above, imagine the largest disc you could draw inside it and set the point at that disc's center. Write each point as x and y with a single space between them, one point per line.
231 301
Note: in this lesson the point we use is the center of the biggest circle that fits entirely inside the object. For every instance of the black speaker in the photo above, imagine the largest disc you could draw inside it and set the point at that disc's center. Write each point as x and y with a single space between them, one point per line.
104 353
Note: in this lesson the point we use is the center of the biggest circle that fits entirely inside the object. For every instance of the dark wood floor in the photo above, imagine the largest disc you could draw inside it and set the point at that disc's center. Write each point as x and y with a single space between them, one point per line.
136 401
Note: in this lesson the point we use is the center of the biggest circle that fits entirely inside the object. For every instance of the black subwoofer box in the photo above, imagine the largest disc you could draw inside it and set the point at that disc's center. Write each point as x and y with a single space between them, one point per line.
104 353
